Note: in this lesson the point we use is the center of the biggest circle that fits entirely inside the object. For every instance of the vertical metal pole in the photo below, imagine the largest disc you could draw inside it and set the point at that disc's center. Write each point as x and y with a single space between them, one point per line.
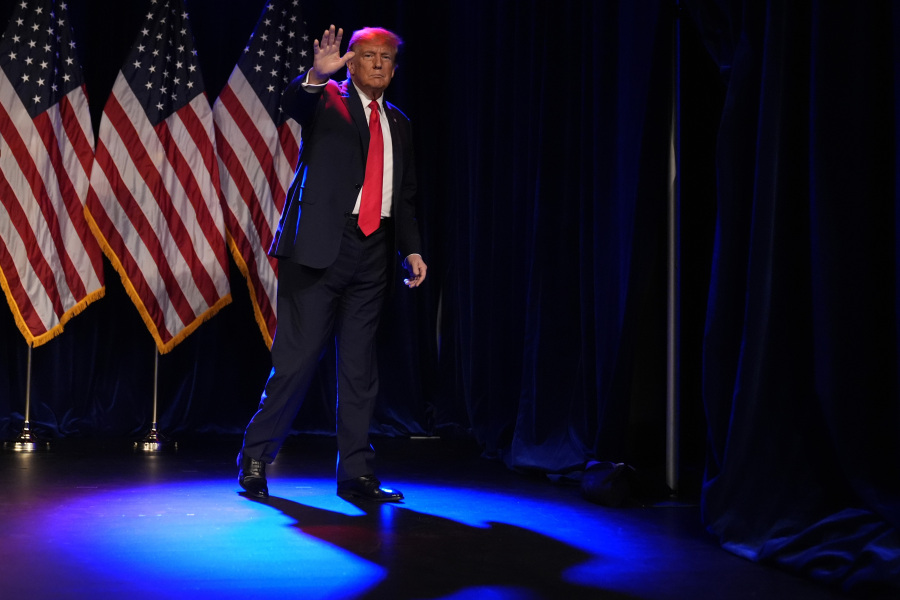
155 441
26 440
672 308
155 388
28 391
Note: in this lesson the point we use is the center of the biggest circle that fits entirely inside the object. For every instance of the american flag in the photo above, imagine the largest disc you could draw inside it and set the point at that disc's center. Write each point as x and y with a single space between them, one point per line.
154 199
258 147
50 265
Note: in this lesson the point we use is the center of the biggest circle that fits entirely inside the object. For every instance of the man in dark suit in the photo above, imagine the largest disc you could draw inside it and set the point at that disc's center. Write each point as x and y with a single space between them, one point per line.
350 205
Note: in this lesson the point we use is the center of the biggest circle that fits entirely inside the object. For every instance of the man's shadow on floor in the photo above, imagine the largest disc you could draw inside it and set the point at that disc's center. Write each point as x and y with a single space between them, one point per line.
427 556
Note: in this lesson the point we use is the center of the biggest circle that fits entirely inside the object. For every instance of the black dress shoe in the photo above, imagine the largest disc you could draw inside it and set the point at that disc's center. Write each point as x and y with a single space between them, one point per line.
367 487
252 476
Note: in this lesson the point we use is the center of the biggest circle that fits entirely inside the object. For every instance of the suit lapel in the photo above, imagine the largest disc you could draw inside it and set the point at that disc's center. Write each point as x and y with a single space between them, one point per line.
355 107
397 149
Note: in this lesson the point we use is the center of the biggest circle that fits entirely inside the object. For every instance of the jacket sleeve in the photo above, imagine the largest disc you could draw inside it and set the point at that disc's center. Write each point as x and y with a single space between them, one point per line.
408 238
299 103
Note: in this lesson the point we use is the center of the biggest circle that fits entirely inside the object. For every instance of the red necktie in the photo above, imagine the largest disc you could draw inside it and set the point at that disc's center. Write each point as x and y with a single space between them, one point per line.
370 203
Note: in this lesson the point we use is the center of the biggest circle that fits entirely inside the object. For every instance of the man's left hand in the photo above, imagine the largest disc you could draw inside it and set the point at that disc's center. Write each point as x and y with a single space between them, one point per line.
417 268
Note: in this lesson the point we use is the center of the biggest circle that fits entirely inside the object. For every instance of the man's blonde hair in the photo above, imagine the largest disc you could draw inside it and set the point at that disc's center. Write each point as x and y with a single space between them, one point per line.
375 35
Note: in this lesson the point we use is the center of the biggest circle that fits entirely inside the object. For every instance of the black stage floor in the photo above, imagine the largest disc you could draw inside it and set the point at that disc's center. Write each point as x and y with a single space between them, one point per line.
91 519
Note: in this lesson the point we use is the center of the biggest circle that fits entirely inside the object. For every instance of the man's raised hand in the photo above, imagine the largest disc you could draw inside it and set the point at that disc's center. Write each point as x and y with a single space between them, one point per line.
327 59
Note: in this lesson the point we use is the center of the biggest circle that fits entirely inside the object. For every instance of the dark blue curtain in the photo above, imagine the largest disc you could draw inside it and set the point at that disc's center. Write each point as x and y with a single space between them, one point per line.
553 315
800 350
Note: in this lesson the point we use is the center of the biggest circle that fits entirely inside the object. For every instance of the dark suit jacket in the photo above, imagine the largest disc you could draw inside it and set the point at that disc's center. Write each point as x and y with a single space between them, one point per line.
330 173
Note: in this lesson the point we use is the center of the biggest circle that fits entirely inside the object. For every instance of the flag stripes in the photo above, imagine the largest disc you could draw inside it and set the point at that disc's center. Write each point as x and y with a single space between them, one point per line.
258 148
172 184
51 267
154 203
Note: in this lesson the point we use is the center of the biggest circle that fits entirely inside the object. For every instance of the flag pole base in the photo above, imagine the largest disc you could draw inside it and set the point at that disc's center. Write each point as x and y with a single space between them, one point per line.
26 442
154 441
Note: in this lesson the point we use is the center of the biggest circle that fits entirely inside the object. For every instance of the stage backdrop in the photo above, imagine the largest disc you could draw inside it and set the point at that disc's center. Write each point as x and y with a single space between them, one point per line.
542 139
542 136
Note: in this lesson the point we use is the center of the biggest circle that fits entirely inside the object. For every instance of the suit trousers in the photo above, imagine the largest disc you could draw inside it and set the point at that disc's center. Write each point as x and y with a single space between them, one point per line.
342 302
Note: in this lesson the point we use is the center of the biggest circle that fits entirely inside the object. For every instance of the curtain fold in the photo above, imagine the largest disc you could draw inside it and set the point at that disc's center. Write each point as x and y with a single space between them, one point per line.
800 349
554 315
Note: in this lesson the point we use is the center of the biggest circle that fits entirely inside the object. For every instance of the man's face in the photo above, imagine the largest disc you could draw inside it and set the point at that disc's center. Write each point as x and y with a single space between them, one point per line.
372 67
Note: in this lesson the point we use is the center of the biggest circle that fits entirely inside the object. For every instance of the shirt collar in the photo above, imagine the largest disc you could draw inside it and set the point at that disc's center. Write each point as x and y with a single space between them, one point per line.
365 99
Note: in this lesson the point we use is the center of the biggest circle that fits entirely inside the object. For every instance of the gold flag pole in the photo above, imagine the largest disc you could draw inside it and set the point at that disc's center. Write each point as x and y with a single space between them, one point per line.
26 440
154 441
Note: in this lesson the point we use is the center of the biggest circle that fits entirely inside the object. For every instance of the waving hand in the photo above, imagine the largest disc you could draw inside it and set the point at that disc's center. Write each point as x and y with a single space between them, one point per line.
327 56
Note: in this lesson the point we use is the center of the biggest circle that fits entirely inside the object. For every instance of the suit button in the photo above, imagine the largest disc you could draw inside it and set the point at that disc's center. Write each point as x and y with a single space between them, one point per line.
357 186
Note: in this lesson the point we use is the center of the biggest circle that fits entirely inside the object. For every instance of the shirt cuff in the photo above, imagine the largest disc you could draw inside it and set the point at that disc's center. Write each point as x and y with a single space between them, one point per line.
311 87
